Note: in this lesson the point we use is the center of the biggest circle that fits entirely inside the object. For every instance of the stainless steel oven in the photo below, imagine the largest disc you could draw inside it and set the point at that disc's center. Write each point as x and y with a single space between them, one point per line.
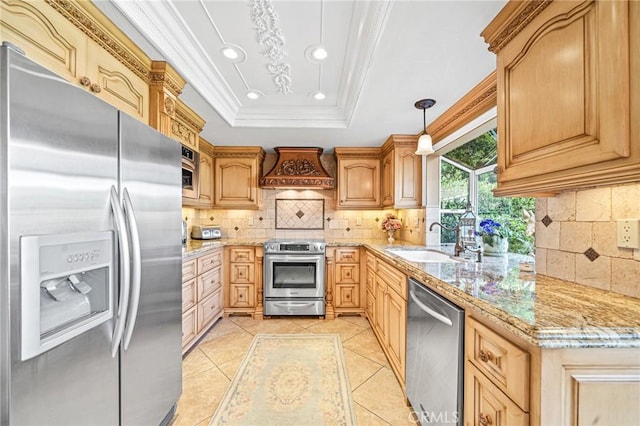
190 163
294 278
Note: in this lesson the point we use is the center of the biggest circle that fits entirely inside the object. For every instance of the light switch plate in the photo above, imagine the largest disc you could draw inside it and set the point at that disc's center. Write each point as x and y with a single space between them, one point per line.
628 233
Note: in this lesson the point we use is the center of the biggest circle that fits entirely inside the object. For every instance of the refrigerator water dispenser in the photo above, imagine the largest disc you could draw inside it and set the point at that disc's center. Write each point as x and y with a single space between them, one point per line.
67 287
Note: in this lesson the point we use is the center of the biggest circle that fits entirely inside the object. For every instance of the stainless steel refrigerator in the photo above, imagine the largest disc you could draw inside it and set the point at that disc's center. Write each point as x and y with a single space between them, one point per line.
90 252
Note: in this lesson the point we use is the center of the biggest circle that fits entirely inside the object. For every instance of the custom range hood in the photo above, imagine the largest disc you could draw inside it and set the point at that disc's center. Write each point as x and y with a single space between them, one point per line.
298 168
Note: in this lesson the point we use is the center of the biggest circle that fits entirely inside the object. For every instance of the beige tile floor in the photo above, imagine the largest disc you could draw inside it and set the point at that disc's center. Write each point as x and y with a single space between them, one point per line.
208 369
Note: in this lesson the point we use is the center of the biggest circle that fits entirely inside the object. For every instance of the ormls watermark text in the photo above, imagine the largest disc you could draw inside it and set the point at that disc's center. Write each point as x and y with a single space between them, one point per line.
435 417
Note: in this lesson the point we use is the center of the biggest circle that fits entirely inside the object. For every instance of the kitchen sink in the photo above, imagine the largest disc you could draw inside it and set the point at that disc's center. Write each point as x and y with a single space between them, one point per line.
424 256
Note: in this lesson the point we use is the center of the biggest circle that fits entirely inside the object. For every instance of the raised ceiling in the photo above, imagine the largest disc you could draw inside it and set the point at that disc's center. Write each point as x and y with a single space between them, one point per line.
382 56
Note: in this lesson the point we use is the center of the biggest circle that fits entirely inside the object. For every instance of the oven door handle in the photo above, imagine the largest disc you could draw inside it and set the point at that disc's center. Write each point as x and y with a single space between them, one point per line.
293 258
294 304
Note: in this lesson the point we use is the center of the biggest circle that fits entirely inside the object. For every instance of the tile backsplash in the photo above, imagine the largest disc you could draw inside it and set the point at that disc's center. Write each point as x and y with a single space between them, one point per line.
576 238
338 224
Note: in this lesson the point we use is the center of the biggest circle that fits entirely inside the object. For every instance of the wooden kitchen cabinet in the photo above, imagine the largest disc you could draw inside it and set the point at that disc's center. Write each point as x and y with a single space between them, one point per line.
237 171
401 172
486 404
506 365
241 280
348 293
568 104
76 41
510 382
358 178
205 176
388 315
202 295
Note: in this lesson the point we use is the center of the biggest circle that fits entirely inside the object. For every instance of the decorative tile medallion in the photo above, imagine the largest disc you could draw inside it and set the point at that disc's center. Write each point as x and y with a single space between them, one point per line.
300 214
546 220
591 254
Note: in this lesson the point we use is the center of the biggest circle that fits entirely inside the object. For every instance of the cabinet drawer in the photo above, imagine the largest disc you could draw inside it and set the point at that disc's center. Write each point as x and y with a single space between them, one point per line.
485 404
208 309
209 261
189 270
347 296
241 296
188 294
505 364
371 261
189 326
241 254
393 278
242 273
347 273
209 282
371 280
350 254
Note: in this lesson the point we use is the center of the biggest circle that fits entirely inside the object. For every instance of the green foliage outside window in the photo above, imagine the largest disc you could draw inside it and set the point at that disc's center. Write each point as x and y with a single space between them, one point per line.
477 154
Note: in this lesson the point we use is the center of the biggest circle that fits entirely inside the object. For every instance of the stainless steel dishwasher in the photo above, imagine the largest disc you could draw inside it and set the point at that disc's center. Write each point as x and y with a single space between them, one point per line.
435 354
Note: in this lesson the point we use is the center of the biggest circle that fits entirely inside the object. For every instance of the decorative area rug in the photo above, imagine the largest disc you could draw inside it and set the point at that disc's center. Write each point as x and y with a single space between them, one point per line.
289 379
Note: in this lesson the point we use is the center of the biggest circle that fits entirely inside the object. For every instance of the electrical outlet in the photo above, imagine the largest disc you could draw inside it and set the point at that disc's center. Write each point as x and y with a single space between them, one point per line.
628 231
358 221
250 221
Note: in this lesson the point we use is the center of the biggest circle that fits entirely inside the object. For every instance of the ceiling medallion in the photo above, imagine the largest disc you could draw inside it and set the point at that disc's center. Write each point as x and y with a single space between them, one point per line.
270 36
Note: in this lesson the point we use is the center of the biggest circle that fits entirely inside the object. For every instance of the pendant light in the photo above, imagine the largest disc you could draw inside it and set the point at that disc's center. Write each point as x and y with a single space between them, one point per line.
425 144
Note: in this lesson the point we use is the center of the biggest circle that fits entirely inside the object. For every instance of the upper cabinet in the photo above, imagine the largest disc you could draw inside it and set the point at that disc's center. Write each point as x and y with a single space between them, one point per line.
567 108
358 178
237 170
401 172
76 41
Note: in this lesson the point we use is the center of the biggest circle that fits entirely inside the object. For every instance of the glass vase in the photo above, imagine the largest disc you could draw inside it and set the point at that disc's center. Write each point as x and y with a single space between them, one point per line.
390 233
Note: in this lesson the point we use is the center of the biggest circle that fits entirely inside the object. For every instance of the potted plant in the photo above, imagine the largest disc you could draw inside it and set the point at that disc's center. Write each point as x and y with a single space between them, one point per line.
495 237
391 224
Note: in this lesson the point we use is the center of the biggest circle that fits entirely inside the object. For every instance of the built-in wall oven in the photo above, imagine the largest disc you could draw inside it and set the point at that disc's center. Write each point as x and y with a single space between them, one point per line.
190 163
294 277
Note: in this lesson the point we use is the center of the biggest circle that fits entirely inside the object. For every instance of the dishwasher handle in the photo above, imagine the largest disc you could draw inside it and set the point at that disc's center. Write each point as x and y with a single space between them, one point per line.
430 311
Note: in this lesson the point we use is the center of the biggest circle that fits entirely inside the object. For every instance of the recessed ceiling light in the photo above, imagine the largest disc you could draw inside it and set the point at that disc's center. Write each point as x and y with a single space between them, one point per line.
316 53
319 53
319 96
233 53
230 52
253 94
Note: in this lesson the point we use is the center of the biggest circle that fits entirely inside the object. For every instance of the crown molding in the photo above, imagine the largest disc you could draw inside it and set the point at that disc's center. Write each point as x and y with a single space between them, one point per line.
179 46
368 21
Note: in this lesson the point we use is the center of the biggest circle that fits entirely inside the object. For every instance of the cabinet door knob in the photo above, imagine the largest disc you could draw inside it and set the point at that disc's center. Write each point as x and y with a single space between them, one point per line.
485 419
486 355
95 88
84 80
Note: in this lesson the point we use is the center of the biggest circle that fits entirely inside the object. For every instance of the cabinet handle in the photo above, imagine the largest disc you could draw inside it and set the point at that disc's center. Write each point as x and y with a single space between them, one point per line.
84 80
95 88
485 419
486 355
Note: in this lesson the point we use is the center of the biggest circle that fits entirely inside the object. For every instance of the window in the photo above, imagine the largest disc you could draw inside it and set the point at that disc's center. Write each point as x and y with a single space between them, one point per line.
467 174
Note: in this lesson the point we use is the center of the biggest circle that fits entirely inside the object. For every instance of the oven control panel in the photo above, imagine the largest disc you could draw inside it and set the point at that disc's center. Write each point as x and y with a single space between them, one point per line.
299 247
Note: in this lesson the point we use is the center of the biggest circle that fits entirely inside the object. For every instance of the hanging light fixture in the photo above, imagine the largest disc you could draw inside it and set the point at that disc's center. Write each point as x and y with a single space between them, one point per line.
425 144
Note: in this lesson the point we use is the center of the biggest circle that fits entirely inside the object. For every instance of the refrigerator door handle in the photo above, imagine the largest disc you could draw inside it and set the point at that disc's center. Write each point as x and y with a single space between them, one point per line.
136 269
125 267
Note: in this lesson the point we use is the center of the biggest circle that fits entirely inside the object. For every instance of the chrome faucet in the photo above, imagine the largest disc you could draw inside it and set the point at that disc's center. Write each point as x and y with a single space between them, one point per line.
460 246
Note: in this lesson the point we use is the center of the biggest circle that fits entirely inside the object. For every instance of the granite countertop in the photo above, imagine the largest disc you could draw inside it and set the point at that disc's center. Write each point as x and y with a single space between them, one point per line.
544 311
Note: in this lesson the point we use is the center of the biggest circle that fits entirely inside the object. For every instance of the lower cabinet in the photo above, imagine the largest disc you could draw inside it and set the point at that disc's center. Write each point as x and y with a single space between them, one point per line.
510 382
201 295
348 294
488 405
243 278
387 311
